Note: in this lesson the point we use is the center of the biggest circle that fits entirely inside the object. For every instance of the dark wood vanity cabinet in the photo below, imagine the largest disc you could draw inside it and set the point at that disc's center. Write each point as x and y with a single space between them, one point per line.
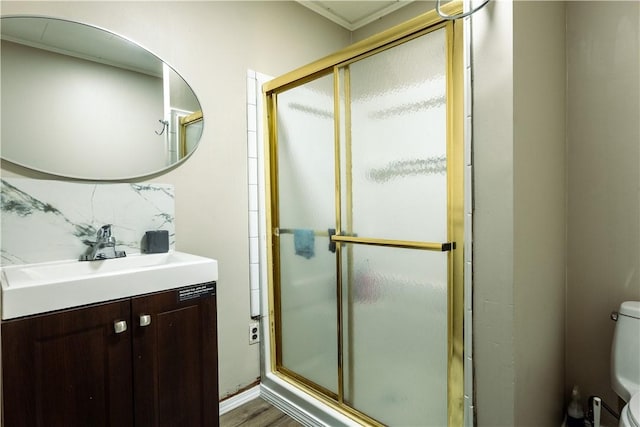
175 362
77 367
68 369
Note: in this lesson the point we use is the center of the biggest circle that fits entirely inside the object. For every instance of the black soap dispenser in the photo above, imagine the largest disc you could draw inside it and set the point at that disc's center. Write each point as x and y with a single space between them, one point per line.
156 241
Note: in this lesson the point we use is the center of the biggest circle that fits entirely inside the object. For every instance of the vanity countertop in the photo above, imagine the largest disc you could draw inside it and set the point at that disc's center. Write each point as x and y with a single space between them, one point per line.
38 288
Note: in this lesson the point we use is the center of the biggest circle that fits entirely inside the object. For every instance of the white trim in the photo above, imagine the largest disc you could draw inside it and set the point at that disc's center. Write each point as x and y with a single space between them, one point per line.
300 406
239 399
263 274
292 410
295 411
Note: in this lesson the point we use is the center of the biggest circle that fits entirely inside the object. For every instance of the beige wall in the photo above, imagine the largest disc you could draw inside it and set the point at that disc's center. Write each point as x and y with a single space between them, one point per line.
212 44
519 217
603 47
539 81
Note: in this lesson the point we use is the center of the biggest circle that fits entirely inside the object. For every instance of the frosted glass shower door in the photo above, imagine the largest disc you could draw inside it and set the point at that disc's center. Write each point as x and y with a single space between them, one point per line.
395 200
367 227
306 211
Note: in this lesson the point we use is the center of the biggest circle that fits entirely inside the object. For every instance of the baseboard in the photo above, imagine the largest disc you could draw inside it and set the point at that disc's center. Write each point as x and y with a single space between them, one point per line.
292 410
239 399
290 403
305 410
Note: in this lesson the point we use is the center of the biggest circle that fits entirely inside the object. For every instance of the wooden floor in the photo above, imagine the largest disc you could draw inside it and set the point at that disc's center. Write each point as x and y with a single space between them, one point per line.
257 413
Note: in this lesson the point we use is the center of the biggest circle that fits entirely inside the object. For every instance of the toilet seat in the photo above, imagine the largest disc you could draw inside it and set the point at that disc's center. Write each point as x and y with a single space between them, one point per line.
630 416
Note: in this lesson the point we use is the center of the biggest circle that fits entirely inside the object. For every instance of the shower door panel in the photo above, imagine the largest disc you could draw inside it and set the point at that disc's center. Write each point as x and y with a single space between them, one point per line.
397 142
306 210
396 356
395 193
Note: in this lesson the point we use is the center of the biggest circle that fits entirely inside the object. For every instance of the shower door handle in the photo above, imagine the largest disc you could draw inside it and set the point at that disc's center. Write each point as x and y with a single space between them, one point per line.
409 244
332 243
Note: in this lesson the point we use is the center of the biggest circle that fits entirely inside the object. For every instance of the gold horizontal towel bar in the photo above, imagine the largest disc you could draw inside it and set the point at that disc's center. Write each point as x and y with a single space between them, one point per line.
279 231
440 247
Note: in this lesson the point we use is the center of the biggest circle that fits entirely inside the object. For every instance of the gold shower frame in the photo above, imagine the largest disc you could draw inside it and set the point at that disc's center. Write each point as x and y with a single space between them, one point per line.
332 64
184 122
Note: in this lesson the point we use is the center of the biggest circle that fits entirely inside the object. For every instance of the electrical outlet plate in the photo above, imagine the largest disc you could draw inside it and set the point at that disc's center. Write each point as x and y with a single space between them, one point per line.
254 333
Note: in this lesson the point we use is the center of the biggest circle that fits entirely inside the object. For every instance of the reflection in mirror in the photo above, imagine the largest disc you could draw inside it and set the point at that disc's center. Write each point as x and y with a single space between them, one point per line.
82 102
190 131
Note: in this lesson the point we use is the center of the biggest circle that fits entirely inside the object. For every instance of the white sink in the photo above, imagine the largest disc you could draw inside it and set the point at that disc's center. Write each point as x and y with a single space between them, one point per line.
38 288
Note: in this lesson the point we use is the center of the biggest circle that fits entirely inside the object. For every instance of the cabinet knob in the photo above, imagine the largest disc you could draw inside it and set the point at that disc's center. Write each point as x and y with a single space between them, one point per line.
119 326
145 320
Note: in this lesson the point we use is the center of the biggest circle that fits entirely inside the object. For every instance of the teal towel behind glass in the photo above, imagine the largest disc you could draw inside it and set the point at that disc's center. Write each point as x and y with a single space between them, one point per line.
304 242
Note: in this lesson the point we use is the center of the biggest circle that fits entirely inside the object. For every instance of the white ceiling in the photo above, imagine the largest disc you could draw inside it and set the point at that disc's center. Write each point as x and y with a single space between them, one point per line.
80 41
353 14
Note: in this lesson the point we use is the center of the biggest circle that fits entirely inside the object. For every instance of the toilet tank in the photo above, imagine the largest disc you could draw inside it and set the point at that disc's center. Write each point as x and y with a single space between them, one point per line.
625 351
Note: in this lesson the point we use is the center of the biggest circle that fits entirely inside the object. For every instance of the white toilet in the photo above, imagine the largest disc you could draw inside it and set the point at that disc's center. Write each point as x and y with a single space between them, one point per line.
625 362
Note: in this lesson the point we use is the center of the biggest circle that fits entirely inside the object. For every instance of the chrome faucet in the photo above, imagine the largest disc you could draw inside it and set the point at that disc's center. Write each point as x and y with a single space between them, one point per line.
104 247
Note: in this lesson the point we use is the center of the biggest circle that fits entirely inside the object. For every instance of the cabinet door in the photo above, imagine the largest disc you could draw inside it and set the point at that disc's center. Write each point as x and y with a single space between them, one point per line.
175 358
68 369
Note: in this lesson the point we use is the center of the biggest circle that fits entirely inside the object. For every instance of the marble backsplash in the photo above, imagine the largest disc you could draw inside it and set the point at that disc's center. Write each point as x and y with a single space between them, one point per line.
57 220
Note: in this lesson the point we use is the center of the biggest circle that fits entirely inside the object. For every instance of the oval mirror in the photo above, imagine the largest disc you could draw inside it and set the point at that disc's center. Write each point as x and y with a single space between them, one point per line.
82 102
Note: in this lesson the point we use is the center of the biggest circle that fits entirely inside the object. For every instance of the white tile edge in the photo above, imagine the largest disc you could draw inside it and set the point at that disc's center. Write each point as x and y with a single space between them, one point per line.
252 190
254 99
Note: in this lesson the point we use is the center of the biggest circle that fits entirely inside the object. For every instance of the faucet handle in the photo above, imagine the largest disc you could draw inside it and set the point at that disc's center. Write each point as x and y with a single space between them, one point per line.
104 232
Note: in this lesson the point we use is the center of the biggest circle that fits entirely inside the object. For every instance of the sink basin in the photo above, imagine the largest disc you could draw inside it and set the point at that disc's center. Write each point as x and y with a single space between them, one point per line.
38 288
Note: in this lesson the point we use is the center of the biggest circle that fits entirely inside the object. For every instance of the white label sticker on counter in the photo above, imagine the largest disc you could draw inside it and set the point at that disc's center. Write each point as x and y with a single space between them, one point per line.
197 291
